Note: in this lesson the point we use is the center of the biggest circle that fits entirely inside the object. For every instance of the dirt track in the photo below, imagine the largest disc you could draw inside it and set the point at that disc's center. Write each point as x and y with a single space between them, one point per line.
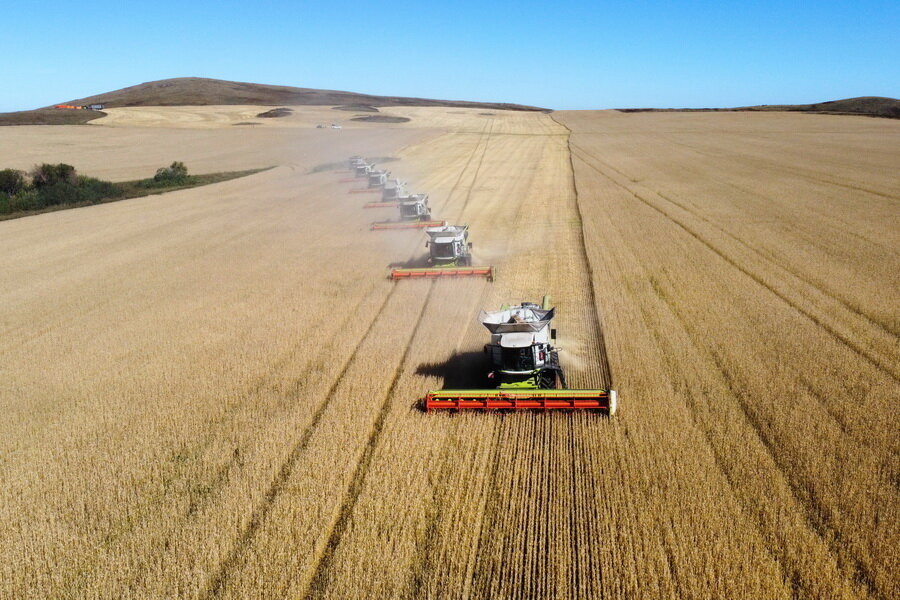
224 403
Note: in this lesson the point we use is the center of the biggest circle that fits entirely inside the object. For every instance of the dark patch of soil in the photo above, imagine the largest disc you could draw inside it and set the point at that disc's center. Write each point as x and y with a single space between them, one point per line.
244 123
488 114
275 113
381 119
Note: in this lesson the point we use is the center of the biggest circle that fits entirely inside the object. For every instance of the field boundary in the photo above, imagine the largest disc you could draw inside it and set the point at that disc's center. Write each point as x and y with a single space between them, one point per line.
585 257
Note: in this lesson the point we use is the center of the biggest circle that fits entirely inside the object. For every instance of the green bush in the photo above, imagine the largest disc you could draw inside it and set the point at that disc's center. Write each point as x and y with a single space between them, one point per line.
46 175
11 182
174 174
60 192
24 201
94 190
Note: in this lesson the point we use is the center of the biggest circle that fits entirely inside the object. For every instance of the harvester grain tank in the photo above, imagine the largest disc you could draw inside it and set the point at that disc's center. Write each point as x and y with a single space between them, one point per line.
525 366
449 255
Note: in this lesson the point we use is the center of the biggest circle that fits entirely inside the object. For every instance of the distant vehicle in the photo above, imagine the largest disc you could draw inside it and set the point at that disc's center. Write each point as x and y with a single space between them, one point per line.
320 126
335 126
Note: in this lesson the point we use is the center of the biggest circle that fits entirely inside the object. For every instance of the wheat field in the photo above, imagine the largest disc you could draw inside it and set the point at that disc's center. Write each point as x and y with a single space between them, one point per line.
212 393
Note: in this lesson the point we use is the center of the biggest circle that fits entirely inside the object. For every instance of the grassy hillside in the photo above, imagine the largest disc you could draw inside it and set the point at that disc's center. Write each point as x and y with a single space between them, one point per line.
201 91
871 106
49 116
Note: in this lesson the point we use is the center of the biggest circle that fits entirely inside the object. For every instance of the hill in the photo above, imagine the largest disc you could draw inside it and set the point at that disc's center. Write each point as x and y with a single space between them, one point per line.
49 116
184 91
200 91
870 106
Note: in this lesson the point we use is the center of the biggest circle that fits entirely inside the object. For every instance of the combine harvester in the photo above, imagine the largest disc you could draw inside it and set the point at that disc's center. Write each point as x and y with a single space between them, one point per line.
358 166
526 366
375 178
390 195
378 178
450 255
392 190
414 213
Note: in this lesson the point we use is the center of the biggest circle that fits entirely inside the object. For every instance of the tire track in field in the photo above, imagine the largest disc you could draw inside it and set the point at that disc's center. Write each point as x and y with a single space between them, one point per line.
216 581
318 581
597 323
796 172
487 141
861 352
814 512
462 172
843 226
772 260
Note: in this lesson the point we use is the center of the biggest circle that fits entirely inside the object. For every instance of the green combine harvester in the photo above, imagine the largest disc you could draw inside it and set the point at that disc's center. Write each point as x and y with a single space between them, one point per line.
449 255
526 368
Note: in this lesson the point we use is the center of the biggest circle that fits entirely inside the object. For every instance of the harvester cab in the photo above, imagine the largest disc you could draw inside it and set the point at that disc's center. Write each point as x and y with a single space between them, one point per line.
414 207
362 169
525 366
378 177
449 246
392 190
449 255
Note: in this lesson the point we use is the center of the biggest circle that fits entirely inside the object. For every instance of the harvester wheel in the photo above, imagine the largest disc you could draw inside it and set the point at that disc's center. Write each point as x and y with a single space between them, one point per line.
549 380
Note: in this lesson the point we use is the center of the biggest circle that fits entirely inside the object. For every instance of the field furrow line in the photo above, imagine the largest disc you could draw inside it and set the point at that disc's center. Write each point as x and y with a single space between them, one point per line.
767 530
785 268
214 583
827 216
597 323
795 171
487 493
487 141
815 513
319 580
850 344
462 172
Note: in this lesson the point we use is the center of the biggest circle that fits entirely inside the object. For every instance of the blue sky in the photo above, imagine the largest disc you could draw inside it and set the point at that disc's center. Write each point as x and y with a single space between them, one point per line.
568 54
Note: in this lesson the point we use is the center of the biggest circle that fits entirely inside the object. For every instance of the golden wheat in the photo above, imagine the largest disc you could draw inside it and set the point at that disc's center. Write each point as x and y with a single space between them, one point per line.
212 393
